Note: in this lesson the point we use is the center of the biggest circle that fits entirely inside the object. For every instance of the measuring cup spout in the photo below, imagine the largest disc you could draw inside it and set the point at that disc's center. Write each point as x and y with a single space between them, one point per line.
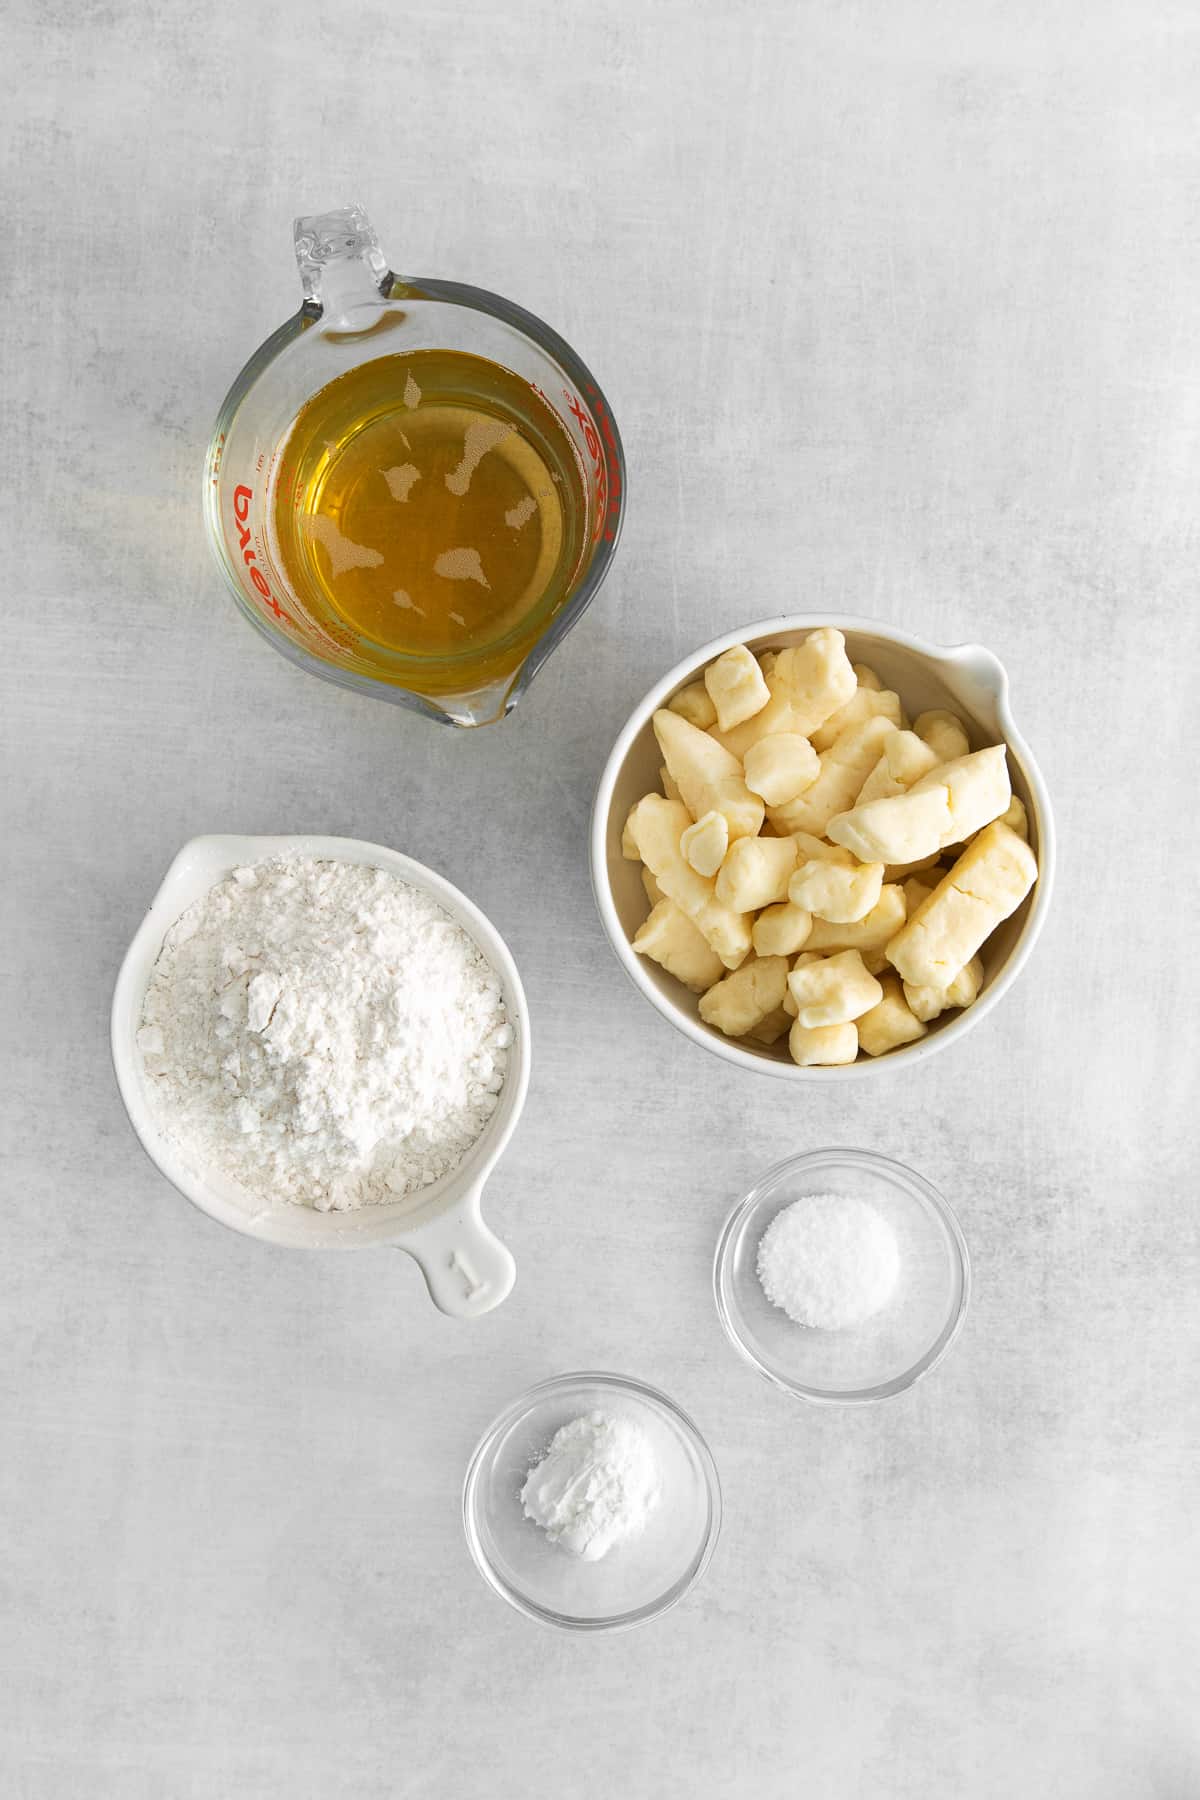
342 267
483 705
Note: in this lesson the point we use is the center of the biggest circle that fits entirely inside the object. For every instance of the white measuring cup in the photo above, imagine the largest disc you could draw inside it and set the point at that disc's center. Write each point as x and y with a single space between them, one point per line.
467 1269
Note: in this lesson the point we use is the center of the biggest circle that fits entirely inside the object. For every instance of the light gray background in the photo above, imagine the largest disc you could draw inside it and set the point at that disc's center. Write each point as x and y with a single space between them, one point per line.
897 307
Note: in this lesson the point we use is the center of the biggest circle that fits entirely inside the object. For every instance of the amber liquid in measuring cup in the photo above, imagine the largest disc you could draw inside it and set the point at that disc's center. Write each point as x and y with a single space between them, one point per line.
430 507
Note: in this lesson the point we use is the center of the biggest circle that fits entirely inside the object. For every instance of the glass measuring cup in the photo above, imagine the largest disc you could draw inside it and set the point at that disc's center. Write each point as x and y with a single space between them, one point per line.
355 311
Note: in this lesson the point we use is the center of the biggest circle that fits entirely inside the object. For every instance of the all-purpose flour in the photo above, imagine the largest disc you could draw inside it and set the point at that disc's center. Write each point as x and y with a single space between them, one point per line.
324 1033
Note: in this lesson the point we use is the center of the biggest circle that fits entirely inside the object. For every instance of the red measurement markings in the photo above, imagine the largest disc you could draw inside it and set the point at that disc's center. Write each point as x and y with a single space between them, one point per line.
599 462
242 496
613 463
605 470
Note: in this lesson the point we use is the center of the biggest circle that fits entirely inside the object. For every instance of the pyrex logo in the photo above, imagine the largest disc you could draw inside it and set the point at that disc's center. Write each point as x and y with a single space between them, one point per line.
242 496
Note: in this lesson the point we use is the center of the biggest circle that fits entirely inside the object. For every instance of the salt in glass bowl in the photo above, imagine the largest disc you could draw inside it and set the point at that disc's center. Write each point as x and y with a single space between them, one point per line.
636 1580
888 1352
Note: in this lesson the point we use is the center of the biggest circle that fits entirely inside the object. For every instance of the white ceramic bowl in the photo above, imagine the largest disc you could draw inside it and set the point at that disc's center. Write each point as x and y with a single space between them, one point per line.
967 679
467 1269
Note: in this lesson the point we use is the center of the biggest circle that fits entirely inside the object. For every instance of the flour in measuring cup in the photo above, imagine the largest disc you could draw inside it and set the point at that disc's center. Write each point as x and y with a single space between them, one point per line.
323 1033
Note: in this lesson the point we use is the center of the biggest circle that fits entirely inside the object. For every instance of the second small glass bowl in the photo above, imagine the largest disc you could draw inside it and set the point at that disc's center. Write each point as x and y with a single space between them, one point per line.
636 1581
890 1351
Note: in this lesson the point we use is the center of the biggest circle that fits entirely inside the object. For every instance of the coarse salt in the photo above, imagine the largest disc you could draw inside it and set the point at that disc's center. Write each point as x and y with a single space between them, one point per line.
829 1261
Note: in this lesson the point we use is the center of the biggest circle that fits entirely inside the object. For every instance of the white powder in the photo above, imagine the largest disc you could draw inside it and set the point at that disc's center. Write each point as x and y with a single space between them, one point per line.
323 1033
829 1261
596 1485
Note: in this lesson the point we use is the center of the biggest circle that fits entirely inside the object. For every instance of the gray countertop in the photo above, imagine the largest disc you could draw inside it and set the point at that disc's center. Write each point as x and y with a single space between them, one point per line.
896 306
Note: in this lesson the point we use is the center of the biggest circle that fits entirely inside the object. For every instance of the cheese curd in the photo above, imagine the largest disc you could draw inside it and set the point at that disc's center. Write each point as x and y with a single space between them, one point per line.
816 868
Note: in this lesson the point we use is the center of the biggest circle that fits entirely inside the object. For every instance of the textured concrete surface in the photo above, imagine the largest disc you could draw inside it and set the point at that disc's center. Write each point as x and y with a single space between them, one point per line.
897 308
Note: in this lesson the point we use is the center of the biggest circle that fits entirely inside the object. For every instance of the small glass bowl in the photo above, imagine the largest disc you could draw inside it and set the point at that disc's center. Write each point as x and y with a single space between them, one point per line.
887 1353
635 1581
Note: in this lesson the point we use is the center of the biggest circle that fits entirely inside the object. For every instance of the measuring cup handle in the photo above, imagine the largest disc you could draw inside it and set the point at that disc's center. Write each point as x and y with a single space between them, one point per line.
341 264
467 1269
